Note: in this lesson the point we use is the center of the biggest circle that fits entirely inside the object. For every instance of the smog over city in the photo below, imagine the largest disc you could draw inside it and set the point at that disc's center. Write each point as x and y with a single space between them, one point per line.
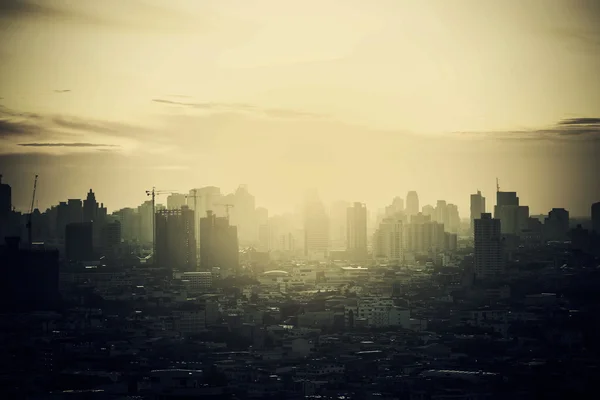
334 199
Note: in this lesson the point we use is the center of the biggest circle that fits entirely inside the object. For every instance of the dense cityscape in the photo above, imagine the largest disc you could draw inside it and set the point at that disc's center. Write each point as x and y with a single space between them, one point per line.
204 295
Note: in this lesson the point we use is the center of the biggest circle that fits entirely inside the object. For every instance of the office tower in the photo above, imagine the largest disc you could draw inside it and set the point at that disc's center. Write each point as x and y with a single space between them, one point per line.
110 239
205 199
29 278
412 203
450 241
5 208
130 223
338 219
428 210
453 218
357 232
556 225
423 235
176 239
477 207
316 229
79 241
396 208
441 213
244 215
488 247
74 211
596 217
218 245
513 217
176 200
388 240
90 207
145 213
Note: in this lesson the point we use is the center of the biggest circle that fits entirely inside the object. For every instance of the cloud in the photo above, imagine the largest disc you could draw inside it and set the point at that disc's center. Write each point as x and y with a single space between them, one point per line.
66 145
10 128
244 108
580 129
62 91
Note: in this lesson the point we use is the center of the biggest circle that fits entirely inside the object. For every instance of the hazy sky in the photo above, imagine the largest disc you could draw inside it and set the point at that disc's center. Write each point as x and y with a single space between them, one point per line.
364 100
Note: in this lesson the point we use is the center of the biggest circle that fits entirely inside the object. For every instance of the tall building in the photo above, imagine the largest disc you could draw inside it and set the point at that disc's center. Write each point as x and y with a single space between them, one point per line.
441 213
412 203
453 218
29 278
489 261
146 226
423 235
428 210
396 208
388 240
477 207
205 199
244 215
5 208
74 211
176 200
596 217
218 245
338 220
176 239
556 225
110 239
79 241
316 229
514 217
90 207
357 232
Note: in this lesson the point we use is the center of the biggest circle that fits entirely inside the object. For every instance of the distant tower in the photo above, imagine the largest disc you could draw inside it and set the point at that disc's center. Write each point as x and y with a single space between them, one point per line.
176 239
477 207
556 224
357 232
488 247
412 203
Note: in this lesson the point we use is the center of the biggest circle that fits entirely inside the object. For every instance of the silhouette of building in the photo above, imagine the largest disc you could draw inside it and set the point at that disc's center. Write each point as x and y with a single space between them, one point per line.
5 208
316 229
90 207
388 240
489 260
29 280
514 217
596 217
428 210
74 211
423 235
218 245
338 220
79 241
556 225
357 232
412 203
176 239
175 201
453 218
477 207
110 239
441 213
205 199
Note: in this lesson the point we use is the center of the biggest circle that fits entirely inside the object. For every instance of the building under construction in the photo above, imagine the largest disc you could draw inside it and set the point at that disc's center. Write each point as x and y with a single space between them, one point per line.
176 239
218 244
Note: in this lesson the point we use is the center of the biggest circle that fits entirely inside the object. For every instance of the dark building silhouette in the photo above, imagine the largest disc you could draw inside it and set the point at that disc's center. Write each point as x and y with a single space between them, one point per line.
489 260
556 224
477 207
5 208
29 280
357 232
513 216
596 217
79 241
176 239
218 244
90 207
110 239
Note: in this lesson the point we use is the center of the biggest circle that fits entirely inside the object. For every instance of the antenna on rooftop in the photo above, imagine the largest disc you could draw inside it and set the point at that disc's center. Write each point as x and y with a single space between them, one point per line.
497 185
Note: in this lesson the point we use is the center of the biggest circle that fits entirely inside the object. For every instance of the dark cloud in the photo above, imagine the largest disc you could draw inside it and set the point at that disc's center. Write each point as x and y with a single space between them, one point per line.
87 125
581 129
66 145
62 91
10 127
244 108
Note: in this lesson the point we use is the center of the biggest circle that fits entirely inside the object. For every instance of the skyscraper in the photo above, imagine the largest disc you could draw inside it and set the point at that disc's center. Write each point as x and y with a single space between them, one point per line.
5 208
357 232
477 207
90 207
79 241
488 247
556 224
218 244
596 217
514 217
176 239
388 240
423 235
412 203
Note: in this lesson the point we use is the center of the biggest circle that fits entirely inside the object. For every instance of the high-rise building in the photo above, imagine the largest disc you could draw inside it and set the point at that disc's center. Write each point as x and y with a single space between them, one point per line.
388 240
514 217
428 210
79 241
489 260
176 200
453 218
412 203
205 199
176 239
556 225
146 226
90 207
441 212
5 208
316 229
477 207
596 217
423 235
338 220
357 232
396 208
244 215
218 245
110 239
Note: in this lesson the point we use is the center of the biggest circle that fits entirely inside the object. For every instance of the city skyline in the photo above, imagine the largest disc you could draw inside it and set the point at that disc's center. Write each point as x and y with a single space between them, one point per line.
187 94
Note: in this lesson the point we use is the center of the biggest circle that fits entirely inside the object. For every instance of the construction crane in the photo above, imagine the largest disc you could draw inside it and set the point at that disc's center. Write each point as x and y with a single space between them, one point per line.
497 185
227 207
153 193
29 231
